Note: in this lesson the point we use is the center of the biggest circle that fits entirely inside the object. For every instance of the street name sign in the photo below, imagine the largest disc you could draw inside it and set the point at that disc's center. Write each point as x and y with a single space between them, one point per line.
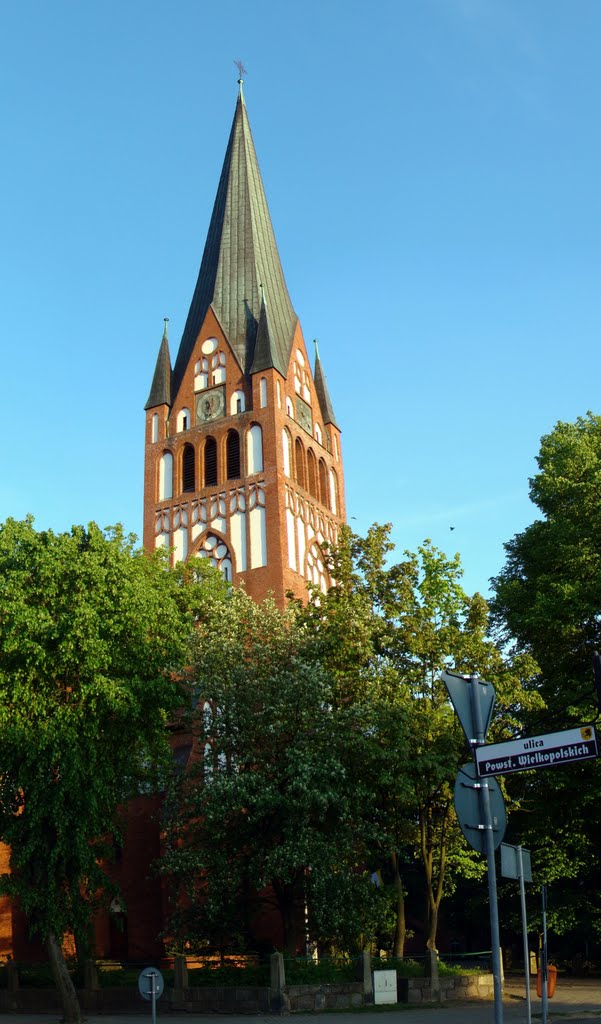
545 751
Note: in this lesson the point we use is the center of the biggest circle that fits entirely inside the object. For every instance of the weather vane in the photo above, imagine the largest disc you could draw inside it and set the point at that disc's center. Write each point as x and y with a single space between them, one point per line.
241 69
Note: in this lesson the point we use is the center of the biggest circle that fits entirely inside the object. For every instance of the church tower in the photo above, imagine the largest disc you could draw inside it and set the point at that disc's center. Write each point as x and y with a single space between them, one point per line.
243 462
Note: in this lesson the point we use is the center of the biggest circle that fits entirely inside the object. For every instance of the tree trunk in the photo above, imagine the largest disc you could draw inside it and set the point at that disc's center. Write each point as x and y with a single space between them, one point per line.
400 928
432 927
63 982
286 903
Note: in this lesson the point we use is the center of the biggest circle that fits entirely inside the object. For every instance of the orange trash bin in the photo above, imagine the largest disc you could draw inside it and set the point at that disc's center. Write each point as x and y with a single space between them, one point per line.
551 981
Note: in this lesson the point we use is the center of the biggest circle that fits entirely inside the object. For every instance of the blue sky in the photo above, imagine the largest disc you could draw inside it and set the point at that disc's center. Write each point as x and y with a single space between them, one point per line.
432 169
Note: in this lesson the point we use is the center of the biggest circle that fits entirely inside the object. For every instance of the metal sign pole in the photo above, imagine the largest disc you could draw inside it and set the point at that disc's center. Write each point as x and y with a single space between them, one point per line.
525 935
153 997
490 859
543 958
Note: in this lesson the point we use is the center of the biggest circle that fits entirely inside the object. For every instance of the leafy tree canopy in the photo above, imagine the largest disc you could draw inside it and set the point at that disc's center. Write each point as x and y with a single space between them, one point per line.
547 598
91 632
276 806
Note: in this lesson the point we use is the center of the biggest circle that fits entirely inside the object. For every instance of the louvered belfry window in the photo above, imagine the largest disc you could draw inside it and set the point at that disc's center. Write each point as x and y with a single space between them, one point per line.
210 462
188 475
233 455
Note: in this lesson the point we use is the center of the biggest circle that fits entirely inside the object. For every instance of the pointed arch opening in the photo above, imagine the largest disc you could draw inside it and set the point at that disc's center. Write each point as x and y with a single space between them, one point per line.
188 468
299 459
166 476
215 549
312 474
254 450
210 462
334 492
232 454
287 452
324 490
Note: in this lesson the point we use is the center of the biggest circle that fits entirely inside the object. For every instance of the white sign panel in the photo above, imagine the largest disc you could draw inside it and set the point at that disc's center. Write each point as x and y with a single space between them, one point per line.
385 987
546 751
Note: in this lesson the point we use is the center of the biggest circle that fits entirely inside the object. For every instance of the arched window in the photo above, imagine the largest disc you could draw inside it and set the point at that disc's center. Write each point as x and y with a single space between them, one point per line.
215 549
166 476
232 450
318 434
299 458
289 409
218 368
155 427
183 419
237 403
324 490
254 450
263 392
287 451
201 375
333 492
312 473
210 462
188 468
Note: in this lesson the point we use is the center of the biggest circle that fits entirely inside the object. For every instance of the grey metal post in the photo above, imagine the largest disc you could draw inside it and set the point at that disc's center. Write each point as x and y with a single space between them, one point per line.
153 996
544 959
490 858
525 936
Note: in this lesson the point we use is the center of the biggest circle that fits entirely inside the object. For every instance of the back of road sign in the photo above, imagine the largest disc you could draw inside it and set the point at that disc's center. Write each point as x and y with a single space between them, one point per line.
468 809
459 689
511 859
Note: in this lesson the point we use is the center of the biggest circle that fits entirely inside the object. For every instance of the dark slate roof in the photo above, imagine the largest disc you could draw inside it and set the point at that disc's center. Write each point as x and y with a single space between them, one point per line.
160 391
240 256
323 395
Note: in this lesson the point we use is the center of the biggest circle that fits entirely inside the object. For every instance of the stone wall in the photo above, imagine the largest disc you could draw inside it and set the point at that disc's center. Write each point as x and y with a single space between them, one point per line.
450 987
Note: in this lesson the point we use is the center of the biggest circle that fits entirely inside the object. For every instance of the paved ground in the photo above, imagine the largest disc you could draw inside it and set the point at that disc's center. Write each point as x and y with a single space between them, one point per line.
574 1002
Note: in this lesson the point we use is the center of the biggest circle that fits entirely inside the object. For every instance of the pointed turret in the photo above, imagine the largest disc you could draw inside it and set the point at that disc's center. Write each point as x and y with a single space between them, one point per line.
321 388
160 390
263 354
240 254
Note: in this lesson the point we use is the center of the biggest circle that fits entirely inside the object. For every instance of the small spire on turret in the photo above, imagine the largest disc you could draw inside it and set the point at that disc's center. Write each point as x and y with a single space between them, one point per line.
316 348
165 329
262 290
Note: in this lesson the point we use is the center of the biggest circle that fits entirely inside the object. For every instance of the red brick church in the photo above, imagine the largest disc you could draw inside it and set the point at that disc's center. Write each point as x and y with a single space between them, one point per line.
243 466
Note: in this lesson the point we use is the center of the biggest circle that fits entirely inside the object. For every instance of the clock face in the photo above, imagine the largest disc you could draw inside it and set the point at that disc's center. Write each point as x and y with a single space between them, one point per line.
210 405
304 417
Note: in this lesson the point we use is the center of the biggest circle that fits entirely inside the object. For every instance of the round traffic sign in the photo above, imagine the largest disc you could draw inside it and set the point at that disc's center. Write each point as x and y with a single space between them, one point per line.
469 814
151 978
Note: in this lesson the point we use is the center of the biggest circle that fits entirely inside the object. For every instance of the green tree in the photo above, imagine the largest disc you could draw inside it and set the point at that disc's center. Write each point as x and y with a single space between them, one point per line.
91 632
410 620
547 603
273 808
547 598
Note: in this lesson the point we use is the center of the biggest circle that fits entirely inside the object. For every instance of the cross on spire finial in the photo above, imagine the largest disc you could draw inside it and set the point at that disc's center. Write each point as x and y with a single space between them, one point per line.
241 71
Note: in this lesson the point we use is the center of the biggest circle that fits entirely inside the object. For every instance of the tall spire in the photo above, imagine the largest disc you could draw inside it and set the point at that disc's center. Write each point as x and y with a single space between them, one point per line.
240 254
160 390
321 388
